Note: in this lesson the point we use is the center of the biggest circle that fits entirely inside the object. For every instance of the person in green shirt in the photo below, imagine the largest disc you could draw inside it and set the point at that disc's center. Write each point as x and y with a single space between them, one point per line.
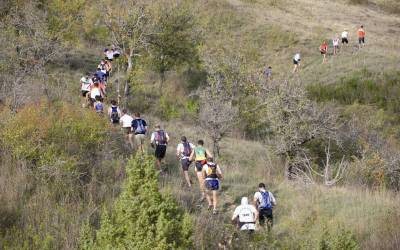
199 155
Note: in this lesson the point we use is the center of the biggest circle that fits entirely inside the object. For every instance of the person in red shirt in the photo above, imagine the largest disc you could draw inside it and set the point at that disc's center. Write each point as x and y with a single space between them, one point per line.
323 48
361 36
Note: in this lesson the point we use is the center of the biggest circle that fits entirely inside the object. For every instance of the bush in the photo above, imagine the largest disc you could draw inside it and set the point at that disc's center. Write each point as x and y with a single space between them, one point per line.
143 218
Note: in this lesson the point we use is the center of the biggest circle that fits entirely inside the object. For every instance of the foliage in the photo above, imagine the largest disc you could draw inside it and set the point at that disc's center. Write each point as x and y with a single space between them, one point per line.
142 217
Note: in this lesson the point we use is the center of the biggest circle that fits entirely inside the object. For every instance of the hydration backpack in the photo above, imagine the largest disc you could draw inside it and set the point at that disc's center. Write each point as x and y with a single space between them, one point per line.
140 129
187 150
211 170
99 107
265 202
161 139
114 115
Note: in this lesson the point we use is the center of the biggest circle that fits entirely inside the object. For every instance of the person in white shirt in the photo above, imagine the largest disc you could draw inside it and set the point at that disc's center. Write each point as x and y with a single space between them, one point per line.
86 83
246 216
159 140
95 91
109 54
296 62
345 37
126 123
183 152
335 43
264 201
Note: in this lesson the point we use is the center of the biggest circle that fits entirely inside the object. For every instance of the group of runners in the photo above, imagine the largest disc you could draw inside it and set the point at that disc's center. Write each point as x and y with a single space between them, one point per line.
323 48
136 130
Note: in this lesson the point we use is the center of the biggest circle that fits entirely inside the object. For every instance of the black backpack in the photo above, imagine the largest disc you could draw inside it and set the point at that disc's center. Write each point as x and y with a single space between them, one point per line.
114 115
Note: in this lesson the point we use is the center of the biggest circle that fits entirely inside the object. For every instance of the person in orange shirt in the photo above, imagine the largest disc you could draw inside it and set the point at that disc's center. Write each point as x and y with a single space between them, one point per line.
361 36
323 48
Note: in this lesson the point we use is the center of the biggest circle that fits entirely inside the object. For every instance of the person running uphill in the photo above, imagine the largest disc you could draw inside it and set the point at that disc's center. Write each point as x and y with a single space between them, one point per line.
199 155
126 124
345 37
296 62
323 48
114 113
246 216
86 84
159 141
98 105
139 129
361 36
183 152
212 175
335 43
264 201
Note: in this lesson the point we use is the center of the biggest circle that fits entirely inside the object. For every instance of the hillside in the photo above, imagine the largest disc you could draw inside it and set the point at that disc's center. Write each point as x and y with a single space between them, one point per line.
325 140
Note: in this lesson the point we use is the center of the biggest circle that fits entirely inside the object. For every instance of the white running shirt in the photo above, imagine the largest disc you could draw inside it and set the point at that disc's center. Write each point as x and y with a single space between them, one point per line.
109 54
345 34
180 148
335 41
86 83
126 121
297 57
95 92
246 215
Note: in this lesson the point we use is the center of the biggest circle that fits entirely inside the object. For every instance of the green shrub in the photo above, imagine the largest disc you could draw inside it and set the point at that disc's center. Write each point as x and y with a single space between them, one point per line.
143 218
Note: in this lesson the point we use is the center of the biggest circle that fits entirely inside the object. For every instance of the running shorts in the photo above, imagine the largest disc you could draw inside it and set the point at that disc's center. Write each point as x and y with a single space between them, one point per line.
361 40
160 151
199 165
295 62
84 93
345 40
265 214
185 164
127 130
323 52
212 184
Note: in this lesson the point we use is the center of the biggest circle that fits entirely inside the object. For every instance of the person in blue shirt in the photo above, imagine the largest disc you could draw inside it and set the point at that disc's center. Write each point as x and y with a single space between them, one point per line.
139 129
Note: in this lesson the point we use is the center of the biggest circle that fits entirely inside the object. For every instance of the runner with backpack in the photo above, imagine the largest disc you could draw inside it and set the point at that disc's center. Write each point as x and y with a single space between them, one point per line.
246 216
159 140
139 129
212 175
183 152
98 105
114 112
264 201
199 155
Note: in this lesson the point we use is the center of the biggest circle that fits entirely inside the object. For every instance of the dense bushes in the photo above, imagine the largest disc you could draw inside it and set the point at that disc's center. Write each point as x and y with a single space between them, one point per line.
142 217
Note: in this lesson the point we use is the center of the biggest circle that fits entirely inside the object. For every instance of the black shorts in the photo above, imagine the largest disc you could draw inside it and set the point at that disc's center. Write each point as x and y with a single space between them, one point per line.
199 165
265 214
295 62
345 40
84 93
361 40
185 164
323 52
160 151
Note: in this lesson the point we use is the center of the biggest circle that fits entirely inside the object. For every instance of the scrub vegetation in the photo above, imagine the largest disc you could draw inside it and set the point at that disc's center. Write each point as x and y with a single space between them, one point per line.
325 140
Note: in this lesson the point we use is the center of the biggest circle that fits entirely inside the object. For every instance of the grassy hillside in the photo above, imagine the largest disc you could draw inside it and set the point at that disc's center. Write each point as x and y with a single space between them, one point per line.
67 177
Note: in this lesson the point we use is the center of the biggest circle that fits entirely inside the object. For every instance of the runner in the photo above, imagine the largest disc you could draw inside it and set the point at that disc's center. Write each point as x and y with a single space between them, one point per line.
101 76
86 83
212 174
361 37
109 54
98 105
139 129
115 51
159 141
335 43
268 72
296 62
264 201
108 67
126 124
246 216
114 113
183 152
345 37
199 155
94 91
323 48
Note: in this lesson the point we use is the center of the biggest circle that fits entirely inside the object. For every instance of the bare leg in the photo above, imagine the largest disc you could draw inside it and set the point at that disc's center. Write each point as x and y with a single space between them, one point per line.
187 178
209 199
215 199
201 183
130 141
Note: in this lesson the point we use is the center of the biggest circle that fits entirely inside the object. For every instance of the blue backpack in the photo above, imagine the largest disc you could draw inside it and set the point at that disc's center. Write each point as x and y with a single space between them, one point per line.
265 203
140 129
99 107
114 115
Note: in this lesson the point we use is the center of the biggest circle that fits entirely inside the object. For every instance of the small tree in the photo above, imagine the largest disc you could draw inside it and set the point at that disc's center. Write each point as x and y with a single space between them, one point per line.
143 218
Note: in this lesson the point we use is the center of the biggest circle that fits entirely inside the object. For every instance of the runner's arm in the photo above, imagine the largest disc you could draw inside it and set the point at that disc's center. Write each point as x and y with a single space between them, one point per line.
178 151
208 153
272 199
219 172
191 158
